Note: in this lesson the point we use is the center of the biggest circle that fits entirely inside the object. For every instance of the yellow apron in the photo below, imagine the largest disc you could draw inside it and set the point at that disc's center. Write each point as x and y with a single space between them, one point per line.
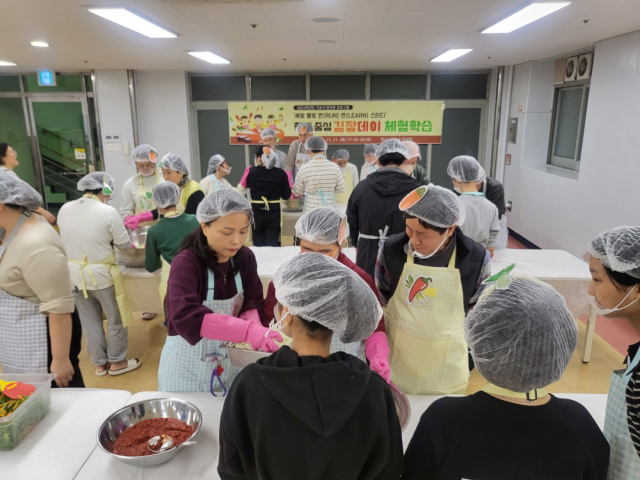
116 275
189 189
143 200
166 268
348 180
424 320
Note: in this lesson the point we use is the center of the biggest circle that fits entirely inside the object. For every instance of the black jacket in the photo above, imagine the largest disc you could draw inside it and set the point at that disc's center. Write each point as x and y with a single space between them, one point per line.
470 257
374 205
273 184
309 418
494 192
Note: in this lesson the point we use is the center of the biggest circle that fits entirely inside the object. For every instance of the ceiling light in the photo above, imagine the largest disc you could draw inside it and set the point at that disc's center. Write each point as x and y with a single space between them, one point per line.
327 41
210 57
130 20
325 19
528 14
7 64
451 54
37 43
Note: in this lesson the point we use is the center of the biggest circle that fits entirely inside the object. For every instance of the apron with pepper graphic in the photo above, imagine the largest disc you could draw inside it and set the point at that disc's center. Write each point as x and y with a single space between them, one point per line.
424 320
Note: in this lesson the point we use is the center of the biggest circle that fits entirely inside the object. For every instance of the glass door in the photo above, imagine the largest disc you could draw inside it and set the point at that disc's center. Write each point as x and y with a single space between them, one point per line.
60 126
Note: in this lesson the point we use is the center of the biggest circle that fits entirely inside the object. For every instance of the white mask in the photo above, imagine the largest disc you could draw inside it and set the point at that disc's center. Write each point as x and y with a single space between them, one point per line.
424 257
408 169
226 171
600 310
149 174
457 189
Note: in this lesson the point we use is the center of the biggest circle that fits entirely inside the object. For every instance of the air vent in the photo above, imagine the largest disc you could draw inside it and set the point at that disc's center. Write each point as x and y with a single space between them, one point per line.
571 69
584 66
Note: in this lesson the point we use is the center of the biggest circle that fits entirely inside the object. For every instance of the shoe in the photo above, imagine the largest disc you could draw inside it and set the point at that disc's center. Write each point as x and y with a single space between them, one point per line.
105 371
148 316
132 364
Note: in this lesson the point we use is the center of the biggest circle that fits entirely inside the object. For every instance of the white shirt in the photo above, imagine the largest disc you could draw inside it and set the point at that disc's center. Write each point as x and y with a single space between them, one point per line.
350 167
129 198
6 170
317 175
208 184
89 227
481 221
366 170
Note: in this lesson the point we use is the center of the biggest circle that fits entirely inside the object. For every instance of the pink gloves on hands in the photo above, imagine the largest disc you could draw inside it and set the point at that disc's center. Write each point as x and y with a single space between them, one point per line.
232 329
377 350
290 177
251 316
243 180
132 221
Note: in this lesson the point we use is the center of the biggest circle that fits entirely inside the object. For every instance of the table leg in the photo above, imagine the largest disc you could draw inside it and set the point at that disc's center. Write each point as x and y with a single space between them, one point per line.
588 341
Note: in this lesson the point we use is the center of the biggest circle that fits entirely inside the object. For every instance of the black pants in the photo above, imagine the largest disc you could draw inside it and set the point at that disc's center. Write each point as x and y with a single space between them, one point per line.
74 351
266 231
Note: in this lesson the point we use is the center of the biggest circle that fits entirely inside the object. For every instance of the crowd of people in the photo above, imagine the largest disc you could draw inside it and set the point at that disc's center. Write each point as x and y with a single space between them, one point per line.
417 310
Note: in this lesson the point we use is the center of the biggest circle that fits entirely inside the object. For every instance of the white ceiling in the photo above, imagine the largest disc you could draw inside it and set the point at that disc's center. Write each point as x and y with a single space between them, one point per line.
371 35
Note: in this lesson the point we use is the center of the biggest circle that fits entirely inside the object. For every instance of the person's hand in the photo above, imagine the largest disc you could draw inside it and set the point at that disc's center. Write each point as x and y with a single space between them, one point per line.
64 371
132 222
381 366
491 250
49 217
251 316
256 337
377 351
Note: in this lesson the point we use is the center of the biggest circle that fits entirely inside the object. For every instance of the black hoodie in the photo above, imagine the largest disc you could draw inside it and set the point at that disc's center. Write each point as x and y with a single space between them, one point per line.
374 205
309 418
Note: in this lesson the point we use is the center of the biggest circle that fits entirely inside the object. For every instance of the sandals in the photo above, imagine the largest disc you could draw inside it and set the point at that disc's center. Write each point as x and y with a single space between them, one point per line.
132 364
105 371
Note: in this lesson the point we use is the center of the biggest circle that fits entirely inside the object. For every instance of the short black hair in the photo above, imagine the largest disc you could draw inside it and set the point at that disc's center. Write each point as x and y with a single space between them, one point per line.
316 151
258 151
391 159
440 230
314 329
94 192
621 280
3 152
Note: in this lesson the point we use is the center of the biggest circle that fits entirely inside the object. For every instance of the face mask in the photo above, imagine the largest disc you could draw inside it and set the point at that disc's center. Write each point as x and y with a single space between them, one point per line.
600 310
226 171
373 167
424 257
277 325
147 174
408 169
457 189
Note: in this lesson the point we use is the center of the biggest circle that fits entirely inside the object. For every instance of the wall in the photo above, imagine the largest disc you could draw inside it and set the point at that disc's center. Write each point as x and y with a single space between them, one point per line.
163 114
562 209
114 112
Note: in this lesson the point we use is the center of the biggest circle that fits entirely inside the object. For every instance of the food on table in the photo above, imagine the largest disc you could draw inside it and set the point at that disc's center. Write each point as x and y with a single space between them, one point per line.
133 441
9 405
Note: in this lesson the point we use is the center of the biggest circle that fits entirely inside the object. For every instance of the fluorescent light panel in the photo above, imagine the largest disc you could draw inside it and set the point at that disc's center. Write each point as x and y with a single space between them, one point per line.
130 20
528 14
210 57
451 54
7 64
38 43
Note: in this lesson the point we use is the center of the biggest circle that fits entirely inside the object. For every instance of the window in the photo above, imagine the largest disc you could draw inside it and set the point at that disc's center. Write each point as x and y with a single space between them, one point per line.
337 87
233 88
398 87
570 109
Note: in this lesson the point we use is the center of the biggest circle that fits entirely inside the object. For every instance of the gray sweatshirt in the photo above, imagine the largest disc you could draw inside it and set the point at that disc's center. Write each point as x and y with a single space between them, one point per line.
481 223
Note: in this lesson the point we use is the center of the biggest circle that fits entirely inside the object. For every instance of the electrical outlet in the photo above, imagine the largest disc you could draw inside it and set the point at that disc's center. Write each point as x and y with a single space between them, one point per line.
520 214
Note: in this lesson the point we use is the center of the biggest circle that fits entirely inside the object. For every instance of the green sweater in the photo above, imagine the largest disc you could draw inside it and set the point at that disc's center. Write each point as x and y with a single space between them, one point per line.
164 239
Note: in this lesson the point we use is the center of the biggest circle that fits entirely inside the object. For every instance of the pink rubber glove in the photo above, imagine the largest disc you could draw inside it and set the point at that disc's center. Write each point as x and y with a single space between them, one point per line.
243 180
232 329
132 221
290 177
377 350
251 316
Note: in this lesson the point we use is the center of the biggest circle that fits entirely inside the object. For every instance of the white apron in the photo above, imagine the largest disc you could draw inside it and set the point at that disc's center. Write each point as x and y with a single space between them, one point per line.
23 329
143 200
624 462
189 368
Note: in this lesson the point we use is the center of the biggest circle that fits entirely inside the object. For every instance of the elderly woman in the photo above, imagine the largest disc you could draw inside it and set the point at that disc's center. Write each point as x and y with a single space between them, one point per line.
304 412
173 170
39 331
218 169
615 288
349 173
214 295
521 336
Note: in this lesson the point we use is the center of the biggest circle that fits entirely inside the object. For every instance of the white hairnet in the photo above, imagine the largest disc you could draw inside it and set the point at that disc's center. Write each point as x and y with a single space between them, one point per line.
307 125
96 181
267 133
370 149
521 337
175 163
214 163
321 226
465 169
14 191
319 289
414 149
221 203
341 154
144 153
316 144
393 145
435 205
165 195
618 249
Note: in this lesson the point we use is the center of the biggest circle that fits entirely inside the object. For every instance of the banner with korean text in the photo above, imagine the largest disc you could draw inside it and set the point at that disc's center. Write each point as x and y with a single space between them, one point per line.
338 122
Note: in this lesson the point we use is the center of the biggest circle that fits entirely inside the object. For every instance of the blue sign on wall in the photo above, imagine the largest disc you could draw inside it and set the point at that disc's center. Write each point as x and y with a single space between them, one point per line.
46 78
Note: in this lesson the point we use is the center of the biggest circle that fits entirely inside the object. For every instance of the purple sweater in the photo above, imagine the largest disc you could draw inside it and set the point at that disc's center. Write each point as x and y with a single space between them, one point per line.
187 289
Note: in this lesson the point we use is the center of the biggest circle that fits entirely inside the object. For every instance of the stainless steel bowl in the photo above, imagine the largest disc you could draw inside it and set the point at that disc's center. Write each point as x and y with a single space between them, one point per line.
241 357
154 408
293 205
134 257
403 407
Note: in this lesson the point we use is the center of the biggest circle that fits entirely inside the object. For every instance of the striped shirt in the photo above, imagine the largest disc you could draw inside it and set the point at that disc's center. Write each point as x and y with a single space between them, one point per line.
319 179
633 399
